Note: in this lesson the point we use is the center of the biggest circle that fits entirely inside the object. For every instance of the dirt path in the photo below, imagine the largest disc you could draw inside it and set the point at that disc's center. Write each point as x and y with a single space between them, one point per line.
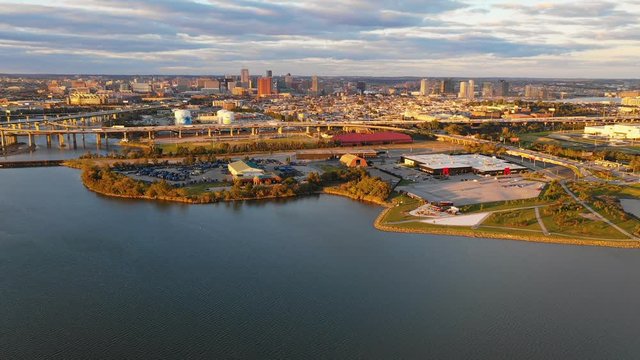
542 225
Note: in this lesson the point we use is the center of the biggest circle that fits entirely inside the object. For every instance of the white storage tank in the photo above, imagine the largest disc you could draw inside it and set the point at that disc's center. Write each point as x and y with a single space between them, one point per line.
183 117
226 117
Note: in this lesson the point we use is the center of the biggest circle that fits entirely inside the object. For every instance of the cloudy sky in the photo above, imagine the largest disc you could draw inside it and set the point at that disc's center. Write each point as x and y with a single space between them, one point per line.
590 38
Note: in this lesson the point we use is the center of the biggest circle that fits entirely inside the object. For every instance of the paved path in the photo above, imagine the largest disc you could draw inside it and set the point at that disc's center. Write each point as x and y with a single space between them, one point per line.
621 230
542 226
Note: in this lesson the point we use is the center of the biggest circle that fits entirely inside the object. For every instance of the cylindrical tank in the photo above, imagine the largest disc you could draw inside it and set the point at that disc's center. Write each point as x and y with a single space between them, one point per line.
225 117
183 117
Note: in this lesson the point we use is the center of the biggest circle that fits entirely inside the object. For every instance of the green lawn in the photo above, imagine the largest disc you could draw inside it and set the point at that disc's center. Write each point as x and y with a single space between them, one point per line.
400 212
201 188
519 219
501 205
587 228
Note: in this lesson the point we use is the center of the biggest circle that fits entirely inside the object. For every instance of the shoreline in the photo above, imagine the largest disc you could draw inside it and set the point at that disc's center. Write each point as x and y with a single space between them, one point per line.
378 224
454 231
381 226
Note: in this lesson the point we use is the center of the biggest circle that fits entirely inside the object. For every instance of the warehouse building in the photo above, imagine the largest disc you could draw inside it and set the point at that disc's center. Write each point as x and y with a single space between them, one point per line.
350 160
443 164
615 131
379 138
244 169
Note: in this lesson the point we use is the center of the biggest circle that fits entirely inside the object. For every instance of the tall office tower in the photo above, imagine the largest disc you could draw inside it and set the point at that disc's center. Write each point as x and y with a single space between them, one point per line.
487 90
471 90
446 86
503 89
315 87
361 86
288 81
244 78
269 73
423 87
463 90
264 86
529 91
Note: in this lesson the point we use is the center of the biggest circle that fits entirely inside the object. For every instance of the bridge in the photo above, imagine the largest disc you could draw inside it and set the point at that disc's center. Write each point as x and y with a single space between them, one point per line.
81 124
90 116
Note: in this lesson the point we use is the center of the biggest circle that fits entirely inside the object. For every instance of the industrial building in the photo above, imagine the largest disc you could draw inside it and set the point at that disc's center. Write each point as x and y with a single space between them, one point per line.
350 160
244 169
616 131
443 164
326 154
86 99
379 138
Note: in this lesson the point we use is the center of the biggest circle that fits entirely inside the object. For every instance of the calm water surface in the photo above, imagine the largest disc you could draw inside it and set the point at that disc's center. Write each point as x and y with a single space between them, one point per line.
87 277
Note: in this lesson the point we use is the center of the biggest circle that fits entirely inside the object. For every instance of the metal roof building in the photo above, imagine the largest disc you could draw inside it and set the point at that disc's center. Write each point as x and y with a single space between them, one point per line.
386 137
440 164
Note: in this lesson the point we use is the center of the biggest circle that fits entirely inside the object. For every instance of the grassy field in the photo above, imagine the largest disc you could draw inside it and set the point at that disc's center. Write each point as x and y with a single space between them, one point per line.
401 210
533 137
518 219
201 188
502 205
586 228
329 167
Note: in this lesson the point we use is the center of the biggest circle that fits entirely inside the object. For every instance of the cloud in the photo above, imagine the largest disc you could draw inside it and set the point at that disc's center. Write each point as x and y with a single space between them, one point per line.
305 36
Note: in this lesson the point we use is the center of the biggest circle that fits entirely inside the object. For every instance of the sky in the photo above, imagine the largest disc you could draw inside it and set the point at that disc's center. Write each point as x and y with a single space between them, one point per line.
425 38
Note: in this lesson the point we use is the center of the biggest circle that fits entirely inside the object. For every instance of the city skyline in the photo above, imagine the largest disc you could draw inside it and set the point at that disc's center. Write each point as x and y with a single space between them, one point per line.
443 38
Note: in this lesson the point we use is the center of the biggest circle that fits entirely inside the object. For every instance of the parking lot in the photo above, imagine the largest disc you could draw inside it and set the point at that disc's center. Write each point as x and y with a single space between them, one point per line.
473 189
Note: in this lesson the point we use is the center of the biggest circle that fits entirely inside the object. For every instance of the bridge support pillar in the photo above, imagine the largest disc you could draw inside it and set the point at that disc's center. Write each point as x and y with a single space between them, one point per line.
49 140
209 132
61 140
150 136
19 125
98 140
280 130
3 141
308 130
106 141
319 130
75 143
179 134
230 131
84 144
125 136
30 139
37 126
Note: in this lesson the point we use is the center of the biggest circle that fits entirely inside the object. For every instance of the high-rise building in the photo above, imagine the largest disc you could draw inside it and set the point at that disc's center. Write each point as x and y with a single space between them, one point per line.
315 86
464 92
288 81
361 86
536 92
446 86
269 73
423 87
487 90
244 78
264 87
471 90
503 89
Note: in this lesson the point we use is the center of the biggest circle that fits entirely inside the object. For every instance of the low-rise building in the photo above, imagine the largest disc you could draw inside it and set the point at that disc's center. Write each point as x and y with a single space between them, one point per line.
241 169
443 164
350 160
615 131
